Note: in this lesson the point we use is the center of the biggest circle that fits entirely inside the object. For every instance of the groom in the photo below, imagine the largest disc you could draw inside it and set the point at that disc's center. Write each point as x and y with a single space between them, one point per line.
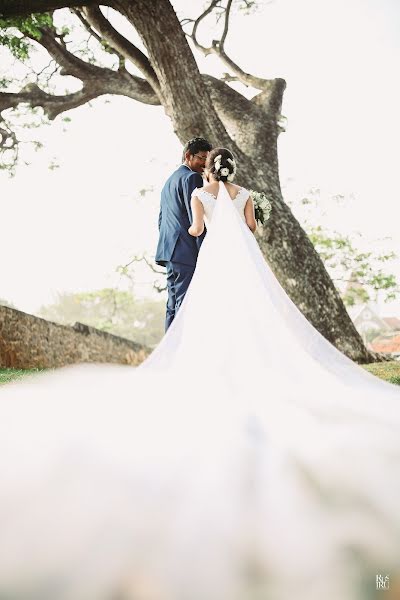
177 250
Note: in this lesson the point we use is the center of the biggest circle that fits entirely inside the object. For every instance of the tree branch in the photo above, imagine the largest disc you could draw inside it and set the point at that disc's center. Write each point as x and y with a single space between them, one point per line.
226 25
218 48
110 82
123 269
8 138
96 81
101 79
93 33
13 8
272 96
246 78
86 25
9 147
196 24
149 263
69 63
52 105
123 46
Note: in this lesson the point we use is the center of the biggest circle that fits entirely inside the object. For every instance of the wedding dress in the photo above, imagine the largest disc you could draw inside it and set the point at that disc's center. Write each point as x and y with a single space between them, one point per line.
245 459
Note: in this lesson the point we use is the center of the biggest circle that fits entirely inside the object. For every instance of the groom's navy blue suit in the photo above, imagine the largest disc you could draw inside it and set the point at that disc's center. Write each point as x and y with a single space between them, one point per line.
177 250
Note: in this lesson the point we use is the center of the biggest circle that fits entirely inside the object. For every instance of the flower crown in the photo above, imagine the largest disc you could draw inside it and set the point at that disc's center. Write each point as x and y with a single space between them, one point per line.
225 171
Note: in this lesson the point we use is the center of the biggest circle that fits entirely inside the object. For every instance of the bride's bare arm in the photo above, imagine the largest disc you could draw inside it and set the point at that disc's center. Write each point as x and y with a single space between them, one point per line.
197 227
249 215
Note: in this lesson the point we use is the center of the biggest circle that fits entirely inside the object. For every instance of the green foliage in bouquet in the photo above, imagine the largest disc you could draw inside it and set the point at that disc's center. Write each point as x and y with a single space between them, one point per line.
262 206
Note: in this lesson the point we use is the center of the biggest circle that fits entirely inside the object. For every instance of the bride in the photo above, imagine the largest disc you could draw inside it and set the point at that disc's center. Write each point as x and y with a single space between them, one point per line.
245 459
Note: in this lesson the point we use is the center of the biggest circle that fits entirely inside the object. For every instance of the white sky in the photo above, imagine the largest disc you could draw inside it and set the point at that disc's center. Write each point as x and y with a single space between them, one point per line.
69 228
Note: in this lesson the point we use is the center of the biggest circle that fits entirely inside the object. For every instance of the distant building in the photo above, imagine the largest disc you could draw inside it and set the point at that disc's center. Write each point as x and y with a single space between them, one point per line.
365 316
386 344
393 322
368 322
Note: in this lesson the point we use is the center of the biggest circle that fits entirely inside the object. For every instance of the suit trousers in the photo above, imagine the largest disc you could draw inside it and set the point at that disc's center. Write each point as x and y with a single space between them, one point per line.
179 277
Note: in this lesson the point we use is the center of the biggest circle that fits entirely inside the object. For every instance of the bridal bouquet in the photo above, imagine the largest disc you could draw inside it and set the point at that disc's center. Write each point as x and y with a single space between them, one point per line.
262 206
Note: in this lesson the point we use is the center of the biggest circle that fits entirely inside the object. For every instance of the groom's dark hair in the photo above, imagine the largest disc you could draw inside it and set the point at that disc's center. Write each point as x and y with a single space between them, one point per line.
197 144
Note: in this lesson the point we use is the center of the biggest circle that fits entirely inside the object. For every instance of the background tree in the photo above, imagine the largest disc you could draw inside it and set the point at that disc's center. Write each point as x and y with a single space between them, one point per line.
111 310
4 302
363 272
359 273
169 76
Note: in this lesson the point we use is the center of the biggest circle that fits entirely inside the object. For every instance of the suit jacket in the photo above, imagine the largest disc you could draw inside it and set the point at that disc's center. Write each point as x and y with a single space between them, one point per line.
175 243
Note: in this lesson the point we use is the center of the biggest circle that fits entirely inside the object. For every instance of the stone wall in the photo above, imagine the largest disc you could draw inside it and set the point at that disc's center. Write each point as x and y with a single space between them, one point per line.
28 342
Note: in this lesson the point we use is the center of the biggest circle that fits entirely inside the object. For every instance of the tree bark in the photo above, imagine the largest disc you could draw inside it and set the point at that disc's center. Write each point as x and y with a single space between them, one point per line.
204 106
183 94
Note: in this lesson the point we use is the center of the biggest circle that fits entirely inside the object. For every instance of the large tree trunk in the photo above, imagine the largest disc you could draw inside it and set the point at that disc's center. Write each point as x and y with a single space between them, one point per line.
183 94
202 105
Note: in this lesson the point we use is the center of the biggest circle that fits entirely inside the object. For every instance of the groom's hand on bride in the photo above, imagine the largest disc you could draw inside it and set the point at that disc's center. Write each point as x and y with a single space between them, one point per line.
196 230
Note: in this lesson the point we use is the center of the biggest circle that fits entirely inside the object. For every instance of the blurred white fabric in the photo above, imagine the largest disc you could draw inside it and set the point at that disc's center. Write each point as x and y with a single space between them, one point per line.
246 459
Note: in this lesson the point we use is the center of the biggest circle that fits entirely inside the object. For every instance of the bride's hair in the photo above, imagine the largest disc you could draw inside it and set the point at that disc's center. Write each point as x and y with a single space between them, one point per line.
221 164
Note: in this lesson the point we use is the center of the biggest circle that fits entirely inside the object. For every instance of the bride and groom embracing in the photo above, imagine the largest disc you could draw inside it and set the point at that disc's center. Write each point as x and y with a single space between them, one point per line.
186 201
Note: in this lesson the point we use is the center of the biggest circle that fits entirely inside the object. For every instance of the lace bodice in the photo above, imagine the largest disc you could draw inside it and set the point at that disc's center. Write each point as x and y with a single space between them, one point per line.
208 200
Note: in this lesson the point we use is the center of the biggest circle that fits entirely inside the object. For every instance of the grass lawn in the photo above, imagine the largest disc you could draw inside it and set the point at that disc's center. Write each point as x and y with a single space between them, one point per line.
7 375
390 371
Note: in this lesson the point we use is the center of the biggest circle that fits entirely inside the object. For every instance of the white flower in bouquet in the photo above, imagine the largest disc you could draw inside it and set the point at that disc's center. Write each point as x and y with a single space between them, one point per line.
262 206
